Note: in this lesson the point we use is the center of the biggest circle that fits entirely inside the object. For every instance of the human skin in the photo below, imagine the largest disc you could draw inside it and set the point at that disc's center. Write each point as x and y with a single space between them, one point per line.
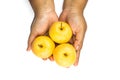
45 15
73 14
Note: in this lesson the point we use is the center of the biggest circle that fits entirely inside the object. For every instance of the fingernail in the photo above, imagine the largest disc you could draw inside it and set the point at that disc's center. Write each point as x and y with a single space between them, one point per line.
51 59
77 47
76 64
28 49
44 59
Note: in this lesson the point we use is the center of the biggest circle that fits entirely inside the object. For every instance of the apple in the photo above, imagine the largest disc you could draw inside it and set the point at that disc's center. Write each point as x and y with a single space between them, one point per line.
60 32
64 55
43 46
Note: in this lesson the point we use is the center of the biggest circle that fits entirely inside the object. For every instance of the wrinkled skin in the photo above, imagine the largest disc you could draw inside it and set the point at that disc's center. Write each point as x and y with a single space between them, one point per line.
45 15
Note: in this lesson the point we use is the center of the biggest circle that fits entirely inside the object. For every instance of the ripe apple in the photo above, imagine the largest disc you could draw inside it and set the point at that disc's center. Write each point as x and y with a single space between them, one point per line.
43 46
64 55
60 32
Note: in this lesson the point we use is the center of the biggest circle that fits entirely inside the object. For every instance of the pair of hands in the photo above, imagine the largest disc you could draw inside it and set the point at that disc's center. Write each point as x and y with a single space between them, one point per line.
75 19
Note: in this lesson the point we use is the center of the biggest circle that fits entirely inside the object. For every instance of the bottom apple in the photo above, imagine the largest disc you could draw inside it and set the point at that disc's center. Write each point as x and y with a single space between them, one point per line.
64 55
43 46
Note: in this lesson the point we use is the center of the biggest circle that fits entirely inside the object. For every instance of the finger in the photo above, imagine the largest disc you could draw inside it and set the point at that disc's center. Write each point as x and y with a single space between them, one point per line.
51 58
30 40
78 42
77 57
44 59
31 36
78 46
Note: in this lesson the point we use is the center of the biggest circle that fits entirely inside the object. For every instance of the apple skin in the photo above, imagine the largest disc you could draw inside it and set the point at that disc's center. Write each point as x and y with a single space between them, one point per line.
43 46
64 55
60 32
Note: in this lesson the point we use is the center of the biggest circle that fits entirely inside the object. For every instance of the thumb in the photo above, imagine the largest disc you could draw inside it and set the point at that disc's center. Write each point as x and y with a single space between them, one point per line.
30 40
78 46
78 42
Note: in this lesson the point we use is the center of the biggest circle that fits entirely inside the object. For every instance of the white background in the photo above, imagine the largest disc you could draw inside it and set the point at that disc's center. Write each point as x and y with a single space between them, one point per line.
100 56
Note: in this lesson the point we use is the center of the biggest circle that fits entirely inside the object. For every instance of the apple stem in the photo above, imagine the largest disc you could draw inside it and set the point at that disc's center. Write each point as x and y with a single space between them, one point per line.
65 54
41 46
61 26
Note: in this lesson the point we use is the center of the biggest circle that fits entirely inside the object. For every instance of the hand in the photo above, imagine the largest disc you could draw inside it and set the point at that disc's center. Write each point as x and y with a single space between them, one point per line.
78 25
40 25
44 16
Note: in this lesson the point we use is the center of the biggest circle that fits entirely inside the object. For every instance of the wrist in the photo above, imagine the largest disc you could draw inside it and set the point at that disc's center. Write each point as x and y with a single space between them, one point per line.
74 5
42 6
73 10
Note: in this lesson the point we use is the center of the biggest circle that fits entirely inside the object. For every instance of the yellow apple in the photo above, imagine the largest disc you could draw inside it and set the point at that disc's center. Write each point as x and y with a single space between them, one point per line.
64 55
60 32
43 46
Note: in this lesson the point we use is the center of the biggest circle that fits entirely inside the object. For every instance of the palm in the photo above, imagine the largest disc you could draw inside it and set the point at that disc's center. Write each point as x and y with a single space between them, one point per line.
78 26
40 25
